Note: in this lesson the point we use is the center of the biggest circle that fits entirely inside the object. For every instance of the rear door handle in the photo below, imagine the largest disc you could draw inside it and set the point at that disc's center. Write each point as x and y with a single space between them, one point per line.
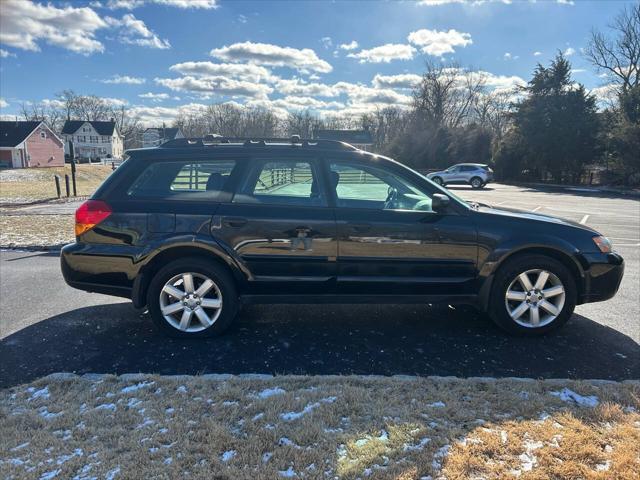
235 222
360 227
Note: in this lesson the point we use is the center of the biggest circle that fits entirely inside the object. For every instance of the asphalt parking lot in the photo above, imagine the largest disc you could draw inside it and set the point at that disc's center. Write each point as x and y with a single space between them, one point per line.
48 327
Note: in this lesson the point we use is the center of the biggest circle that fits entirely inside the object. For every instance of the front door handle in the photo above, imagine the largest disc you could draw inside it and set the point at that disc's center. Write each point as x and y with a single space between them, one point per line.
360 227
235 222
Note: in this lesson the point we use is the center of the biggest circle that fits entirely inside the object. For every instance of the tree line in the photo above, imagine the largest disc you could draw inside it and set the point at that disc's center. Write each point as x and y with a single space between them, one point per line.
552 128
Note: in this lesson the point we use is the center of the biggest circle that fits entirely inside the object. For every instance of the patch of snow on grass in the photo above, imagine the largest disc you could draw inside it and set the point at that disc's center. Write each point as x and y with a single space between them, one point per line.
44 413
107 406
266 457
20 447
439 456
257 417
285 442
290 416
181 389
111 474
418 446
65 458
228 455
270 392
567 395
35 394
437 405
603 467
527 459
137 386
50 475
288 473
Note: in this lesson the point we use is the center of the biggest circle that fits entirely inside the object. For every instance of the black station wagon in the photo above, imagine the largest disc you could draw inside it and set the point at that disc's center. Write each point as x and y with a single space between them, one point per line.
196 227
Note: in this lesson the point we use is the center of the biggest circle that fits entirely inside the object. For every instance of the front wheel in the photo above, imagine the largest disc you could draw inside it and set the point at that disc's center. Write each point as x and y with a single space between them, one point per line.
191 298
438 180
532 295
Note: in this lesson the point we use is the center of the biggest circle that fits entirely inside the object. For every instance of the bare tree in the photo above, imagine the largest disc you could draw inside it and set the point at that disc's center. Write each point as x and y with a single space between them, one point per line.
446 94
619 56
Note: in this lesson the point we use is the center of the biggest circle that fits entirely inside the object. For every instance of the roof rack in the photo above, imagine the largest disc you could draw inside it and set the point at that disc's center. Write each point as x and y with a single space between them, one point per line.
295 141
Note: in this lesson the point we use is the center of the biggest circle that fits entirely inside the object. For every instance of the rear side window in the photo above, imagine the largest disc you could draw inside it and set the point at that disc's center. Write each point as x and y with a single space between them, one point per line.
282 182
183 180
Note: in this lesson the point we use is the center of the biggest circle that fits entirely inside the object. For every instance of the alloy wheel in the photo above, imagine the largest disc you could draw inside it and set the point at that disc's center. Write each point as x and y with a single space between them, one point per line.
190 302
535 298
476 183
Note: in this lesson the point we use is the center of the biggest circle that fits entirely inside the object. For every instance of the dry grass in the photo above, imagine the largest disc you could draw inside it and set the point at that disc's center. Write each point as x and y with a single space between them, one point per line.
33 184
316 427
36 230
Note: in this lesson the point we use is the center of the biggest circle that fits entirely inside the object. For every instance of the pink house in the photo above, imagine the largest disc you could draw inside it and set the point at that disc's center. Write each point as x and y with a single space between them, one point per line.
29 144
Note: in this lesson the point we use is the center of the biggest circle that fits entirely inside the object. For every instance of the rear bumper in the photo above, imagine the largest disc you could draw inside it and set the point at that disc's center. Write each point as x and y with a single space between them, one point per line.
602 277
86 268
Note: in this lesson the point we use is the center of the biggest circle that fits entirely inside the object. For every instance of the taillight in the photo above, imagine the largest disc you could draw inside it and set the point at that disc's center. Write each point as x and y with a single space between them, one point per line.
90 214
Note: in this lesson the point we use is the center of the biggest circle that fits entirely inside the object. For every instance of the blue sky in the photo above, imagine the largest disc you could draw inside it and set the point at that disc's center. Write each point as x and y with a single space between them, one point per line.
160 56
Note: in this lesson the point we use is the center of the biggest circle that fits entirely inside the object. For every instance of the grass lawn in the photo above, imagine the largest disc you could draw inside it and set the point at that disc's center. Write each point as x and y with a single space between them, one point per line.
36 230
318 427
33 184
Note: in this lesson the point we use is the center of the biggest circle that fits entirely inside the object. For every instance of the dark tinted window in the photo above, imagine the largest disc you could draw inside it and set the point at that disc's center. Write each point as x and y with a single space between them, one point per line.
468 168
281 182
183 180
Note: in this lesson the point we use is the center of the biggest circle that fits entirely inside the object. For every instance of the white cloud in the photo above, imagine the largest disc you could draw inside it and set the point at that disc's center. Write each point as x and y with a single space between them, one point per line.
327 42
3 103
404 80
208 86
385 53
242 19
304 60
115 102
437 43
605 94
361 94
24 23
131 4
352 45
125 79
569 51
304 103
433 3
157 97
537 54
299 87
510 56
134 32
152 116
254 73
4 53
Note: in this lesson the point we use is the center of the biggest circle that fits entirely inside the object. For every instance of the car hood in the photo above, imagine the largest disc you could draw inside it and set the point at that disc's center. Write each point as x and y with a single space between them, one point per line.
528 215
435 173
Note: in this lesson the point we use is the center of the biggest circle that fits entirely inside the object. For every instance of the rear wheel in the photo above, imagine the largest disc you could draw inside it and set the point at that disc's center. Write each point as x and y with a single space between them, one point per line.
476 182
438 180
192 298
532 295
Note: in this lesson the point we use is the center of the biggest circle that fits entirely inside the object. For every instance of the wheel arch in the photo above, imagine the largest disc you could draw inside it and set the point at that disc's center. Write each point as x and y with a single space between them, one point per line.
174 252
572 262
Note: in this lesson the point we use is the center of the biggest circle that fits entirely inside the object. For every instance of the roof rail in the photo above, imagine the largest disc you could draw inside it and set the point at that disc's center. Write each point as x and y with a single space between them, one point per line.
294 140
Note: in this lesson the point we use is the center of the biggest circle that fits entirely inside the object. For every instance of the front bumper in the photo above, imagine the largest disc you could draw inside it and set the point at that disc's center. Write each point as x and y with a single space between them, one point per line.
602 277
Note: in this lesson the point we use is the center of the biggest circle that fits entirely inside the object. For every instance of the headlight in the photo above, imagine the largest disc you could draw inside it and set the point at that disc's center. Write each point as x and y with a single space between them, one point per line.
603 244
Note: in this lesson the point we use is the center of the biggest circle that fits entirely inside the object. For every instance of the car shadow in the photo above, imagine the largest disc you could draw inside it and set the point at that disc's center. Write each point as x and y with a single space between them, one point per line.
469 188
310 339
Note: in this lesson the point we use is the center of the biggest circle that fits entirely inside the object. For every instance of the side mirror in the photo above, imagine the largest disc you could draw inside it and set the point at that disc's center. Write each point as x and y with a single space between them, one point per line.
439 202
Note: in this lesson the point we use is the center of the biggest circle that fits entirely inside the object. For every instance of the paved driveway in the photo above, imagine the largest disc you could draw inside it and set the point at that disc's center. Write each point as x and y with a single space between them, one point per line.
48 327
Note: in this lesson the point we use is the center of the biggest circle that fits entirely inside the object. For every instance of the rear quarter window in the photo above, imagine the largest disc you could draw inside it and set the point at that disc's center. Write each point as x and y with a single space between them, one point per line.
187 180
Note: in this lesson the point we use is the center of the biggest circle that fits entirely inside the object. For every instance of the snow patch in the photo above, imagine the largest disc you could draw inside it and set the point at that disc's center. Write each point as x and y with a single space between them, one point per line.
111 474
270 392
418 446
137 386
35 394
567 395
181 389
50 475
290 416
228 455
106 406
288 473
437 405
266 457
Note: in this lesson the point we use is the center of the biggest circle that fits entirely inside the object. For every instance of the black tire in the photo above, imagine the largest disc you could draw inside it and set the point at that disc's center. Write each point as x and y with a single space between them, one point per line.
476 183
438 180
506 275
218 274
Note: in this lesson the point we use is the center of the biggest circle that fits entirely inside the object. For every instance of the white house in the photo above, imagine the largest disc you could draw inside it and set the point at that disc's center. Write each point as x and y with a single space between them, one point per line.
92 140
152 137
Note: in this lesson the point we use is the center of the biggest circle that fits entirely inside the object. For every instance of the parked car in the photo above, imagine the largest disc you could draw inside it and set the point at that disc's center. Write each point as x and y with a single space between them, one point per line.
193 229
475 174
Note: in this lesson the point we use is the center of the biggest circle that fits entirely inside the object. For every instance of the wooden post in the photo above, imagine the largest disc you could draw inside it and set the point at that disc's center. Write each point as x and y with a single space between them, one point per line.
57 180
73 177
66 184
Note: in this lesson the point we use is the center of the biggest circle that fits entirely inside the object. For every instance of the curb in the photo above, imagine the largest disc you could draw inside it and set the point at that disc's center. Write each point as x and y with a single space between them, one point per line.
578 188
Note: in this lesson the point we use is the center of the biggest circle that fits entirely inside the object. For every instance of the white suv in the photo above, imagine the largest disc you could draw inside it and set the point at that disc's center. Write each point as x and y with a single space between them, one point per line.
475 174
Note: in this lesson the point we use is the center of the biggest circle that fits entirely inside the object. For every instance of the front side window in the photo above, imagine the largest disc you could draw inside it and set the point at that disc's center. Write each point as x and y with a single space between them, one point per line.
359 186
183 180
281 182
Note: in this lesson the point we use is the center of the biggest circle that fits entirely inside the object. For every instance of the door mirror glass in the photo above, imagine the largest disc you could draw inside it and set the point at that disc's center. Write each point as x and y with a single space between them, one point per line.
439 202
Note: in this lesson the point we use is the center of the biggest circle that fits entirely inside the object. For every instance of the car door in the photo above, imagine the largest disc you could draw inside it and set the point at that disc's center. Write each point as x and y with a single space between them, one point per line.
279 225
454 174
390 241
